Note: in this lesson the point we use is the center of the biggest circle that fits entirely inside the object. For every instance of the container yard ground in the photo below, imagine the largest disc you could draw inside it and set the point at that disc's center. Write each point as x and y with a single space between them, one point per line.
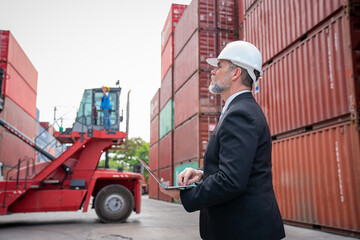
158 220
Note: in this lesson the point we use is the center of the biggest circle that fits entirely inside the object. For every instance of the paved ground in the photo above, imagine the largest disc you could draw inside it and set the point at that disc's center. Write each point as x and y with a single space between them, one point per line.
158 220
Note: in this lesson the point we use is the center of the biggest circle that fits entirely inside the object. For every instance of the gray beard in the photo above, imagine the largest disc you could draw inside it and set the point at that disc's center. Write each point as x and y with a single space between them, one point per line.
216 88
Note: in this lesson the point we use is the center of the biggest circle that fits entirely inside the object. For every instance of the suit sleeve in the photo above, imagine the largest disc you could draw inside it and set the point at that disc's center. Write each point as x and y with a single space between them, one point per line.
238 142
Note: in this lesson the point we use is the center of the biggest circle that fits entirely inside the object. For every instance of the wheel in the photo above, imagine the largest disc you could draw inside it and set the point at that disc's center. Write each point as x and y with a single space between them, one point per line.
114 203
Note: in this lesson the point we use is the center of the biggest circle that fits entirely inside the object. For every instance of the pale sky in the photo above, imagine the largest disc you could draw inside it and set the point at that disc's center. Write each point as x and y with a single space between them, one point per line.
80 44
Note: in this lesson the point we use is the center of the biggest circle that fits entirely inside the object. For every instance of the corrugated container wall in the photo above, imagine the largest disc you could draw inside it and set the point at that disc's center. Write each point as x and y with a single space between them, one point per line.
12 148
154 131
153 187
193 135
166 121
272 32
165 151
316 177
311 83
20 83
165 176
154 156
167 38
155 105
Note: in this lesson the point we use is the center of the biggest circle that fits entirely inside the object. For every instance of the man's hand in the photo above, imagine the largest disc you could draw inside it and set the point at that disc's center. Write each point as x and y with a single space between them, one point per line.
189 176
174 193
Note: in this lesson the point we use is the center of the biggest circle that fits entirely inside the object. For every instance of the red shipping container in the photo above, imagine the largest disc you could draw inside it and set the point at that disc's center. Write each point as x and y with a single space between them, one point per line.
194 97
272 32
155 105
227 14
12 148
166 88
205 15
154 131
316 177
167 58
165 176
21 82
199 14
153 187
202 45
312 82
191 138
165 151
175 13
154 156
248 3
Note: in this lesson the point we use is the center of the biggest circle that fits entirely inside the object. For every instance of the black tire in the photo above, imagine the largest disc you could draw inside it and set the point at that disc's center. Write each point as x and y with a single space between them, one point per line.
114 203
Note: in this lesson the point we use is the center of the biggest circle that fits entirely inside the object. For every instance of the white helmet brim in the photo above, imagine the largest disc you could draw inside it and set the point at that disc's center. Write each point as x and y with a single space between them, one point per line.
212 61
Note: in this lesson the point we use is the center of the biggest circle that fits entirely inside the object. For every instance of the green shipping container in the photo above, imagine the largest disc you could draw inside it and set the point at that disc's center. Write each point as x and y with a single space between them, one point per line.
166 119
179 168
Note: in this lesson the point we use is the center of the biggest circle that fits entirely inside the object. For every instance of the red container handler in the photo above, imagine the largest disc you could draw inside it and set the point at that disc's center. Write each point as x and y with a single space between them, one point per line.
165 151
155 105
154 131
166 177
313 82
154 156
166 88
272 32
20 84
153 186
191 138
316 178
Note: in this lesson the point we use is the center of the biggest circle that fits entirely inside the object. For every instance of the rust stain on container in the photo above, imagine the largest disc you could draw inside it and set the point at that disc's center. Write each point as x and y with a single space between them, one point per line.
308 84
272 32
316 177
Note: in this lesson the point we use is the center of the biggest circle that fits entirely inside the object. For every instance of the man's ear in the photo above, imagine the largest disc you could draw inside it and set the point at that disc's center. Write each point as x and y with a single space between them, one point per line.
237 73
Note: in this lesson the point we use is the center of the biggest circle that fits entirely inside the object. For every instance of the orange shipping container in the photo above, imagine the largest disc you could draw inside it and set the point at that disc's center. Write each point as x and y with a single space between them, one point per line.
316 177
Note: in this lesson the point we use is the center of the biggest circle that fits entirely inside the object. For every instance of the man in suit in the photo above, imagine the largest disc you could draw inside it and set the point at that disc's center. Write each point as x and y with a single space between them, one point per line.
235 195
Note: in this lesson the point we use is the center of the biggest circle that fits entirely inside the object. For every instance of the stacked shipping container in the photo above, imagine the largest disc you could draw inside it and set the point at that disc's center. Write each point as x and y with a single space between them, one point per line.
19 92
154 143
310 95
203 31
188 112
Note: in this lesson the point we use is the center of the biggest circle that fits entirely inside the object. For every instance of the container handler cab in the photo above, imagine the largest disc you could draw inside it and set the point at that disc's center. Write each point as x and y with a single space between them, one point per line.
68 182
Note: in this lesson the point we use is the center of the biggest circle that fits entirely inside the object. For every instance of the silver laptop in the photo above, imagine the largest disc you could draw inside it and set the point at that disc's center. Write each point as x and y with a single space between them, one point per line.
162 184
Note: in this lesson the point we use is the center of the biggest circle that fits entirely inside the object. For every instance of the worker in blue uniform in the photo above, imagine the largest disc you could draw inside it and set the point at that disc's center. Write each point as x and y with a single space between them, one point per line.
106 107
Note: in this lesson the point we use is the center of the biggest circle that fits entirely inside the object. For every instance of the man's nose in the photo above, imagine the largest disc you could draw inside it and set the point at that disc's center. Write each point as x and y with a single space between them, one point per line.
214 71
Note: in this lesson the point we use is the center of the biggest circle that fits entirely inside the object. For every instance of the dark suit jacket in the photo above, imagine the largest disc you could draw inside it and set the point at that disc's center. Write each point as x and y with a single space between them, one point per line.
236 199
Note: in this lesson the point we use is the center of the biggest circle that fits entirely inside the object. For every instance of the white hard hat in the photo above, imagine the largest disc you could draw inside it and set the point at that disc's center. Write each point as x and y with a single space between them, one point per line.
242 54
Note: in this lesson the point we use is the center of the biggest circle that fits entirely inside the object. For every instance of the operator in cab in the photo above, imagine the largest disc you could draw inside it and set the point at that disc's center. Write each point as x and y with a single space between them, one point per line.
106 107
